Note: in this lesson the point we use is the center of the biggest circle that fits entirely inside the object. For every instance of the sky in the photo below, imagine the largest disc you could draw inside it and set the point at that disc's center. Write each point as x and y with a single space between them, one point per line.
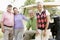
4 3
17 3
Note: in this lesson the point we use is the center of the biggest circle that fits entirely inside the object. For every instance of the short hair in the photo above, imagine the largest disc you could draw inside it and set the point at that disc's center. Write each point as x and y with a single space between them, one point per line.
14 8
30 11
10 5
39 3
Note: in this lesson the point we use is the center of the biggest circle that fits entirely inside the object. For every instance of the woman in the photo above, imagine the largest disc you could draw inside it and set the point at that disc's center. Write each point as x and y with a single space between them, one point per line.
18 24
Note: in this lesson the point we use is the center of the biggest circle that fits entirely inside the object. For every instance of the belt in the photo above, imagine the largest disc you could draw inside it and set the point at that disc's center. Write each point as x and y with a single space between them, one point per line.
8 26
42 28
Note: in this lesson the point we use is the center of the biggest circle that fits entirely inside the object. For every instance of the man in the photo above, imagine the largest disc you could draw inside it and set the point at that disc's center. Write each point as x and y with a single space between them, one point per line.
18 24
7 23
29 34
42 22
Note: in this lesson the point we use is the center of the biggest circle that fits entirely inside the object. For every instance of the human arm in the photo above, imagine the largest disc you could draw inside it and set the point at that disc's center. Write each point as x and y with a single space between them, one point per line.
25 18
2 22
28 25
47 24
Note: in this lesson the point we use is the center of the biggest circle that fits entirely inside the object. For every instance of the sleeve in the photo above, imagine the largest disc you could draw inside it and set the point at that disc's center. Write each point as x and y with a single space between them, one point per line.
3 17
47 13
35 23
28 25
25 18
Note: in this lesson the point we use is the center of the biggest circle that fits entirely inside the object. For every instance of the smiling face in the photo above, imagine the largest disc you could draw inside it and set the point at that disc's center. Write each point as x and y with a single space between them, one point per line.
31 13
9 8
15 10
39 6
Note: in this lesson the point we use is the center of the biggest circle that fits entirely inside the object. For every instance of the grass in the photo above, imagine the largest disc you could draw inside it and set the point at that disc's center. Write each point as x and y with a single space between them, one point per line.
1 34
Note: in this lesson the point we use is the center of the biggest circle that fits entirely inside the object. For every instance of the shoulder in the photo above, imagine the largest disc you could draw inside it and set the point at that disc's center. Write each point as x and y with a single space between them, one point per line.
47 13
46 10
20 14
36 11
35 18
4 13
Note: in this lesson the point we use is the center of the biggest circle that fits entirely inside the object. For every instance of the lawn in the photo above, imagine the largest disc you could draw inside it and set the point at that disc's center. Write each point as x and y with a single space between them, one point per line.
1 34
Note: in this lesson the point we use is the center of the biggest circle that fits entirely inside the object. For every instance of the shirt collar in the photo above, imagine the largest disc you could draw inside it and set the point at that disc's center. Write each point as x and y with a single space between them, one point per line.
17 14
41 11
32 18
8 12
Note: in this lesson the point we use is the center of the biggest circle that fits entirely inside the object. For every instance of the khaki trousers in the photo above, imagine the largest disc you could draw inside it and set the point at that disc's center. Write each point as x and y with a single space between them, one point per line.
8 34
40 35
29 34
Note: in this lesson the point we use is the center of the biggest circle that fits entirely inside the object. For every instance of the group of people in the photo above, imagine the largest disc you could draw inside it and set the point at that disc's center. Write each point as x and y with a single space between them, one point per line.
13 28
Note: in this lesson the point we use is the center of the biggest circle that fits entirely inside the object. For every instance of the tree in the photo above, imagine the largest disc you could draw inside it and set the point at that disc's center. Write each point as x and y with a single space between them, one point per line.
49 0
1 16
51 10
28 2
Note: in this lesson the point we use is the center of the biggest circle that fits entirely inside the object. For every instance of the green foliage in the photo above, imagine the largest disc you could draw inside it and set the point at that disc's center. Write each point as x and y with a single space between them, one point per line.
28 2
1 13
51 10
49 0
58 12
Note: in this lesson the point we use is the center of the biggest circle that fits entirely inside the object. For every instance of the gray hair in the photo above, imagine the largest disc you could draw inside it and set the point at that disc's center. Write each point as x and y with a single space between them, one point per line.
30 11
40 3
